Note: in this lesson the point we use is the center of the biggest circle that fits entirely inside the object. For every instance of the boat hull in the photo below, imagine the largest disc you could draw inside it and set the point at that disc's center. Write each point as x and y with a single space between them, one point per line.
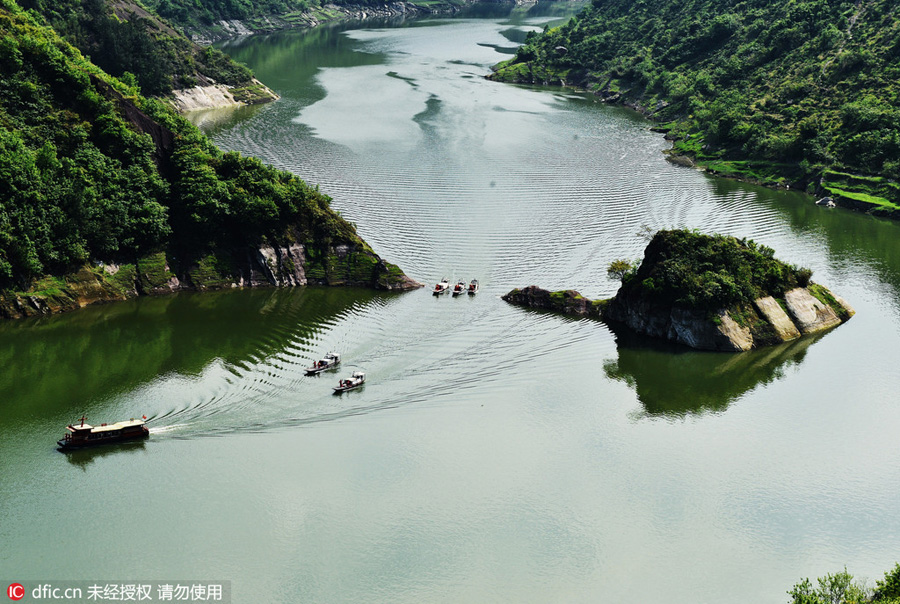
71 445
346 389
317 370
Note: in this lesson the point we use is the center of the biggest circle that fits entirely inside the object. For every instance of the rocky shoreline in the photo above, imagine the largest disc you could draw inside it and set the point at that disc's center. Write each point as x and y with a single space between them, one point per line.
291 265
328 13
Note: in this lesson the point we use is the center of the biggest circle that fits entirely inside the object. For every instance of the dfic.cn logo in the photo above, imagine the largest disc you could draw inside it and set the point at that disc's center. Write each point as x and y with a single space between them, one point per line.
15 591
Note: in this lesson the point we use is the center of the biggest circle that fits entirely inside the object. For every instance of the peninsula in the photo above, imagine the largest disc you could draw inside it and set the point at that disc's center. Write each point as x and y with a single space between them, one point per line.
710 292
107 194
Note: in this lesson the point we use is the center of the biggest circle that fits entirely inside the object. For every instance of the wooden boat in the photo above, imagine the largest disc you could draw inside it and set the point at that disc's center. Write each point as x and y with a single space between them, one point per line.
442 288
86 435
473 287
459 288
357 379
331 360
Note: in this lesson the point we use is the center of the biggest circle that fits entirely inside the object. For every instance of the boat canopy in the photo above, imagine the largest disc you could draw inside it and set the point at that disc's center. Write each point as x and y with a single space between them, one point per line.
119 425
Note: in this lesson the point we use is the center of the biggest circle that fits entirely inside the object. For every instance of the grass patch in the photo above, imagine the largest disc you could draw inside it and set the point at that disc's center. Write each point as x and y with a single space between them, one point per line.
823 295
211 271
47 287
251 94
153 270
124 280
864 197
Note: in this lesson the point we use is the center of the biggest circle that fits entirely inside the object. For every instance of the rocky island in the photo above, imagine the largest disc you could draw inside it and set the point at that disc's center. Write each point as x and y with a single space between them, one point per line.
710 292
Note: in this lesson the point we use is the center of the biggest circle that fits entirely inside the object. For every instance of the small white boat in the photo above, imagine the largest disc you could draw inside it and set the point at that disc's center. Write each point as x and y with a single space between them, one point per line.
442 288
357 379
459 288
331 360
473 287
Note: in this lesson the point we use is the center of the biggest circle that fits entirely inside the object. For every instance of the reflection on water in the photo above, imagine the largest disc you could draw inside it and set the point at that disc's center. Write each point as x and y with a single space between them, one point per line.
82 359
82 458
673 380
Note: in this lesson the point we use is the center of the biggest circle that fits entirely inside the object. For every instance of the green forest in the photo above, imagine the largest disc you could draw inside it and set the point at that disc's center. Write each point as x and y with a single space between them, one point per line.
802 92
129 42
91 170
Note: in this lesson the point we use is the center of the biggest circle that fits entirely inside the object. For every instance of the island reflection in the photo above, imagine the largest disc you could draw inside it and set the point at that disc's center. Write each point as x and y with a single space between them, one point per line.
673 381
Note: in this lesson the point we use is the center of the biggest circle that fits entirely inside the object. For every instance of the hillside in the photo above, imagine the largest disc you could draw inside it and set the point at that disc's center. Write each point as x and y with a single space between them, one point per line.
127 41
805 92
102 189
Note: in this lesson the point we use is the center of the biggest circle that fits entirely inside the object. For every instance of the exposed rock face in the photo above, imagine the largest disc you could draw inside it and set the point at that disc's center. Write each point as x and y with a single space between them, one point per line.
216 95
282 266
810 314
734 329
202 97
696 329
712 292
772 312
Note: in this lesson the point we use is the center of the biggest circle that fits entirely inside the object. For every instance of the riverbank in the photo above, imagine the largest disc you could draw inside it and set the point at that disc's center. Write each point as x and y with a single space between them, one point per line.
321 15
858 192
158 274
869 194
214 96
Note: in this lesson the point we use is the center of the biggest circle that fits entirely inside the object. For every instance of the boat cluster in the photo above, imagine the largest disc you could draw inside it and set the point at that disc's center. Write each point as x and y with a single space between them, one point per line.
332 360
460 288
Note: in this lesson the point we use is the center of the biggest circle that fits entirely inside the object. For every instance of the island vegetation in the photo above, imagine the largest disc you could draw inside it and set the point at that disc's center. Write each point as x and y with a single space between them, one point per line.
842 588
105 193
803 93
712 292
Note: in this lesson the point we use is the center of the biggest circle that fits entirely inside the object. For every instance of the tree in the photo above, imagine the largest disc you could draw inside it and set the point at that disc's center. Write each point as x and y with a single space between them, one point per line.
618 269
838 588
889 589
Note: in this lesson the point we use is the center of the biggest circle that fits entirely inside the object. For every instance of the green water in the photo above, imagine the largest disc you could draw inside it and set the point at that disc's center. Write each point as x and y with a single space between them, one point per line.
495 454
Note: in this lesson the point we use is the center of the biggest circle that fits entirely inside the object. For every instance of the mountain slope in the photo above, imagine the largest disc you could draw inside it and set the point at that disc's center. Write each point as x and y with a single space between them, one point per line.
807 89
122 36
91 171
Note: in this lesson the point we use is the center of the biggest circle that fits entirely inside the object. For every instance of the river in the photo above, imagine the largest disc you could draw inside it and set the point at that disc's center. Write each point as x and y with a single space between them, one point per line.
495 454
